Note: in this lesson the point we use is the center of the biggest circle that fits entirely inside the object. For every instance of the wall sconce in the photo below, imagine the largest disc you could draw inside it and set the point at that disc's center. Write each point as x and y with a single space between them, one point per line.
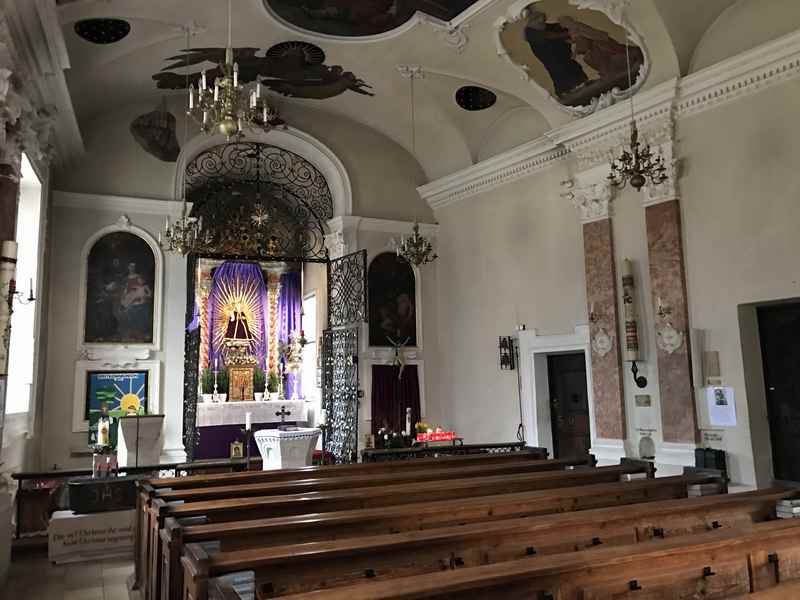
18 296
507 361
594 317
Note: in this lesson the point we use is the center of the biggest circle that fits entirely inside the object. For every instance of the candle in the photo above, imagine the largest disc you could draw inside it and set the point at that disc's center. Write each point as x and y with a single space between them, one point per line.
627 267
216 91
191 97
323 416
236 74
247 424
203 84
258 90
216 363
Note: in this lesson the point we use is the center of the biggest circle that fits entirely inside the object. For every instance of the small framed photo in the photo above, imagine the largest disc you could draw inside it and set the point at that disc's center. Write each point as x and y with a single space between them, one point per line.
237 450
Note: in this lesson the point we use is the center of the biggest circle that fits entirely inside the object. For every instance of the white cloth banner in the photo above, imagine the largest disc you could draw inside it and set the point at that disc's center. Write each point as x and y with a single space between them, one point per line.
233 413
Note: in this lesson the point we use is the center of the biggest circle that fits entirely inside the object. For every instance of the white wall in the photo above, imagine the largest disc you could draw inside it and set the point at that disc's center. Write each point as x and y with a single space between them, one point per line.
514 254
72 227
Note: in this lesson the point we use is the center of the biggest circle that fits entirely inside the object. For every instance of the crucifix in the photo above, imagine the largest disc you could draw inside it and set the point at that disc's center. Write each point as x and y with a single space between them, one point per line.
397 360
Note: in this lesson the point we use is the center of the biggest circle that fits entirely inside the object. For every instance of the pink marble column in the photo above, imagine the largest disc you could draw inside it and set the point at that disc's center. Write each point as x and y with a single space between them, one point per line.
601 297
668 283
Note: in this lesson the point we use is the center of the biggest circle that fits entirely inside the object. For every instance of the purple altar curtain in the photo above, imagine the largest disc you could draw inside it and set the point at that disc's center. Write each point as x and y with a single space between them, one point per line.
238 282
391 396
290 304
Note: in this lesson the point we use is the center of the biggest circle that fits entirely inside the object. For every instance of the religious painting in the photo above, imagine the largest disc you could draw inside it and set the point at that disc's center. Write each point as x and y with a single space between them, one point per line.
579 56
119 290
236 450
353 18
155 132
111 395
392 302
294 69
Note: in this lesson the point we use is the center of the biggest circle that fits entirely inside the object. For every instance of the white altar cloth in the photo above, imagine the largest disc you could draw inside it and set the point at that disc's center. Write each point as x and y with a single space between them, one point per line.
232 413
286 449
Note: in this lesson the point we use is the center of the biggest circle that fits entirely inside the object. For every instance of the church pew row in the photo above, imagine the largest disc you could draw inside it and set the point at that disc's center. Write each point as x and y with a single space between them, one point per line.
233 509
784 591
149 489
712 565
420 516
296 568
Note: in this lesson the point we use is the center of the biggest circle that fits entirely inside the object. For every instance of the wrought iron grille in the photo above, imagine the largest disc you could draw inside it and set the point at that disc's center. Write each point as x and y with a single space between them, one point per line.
340 387
191 359
252 162
347 289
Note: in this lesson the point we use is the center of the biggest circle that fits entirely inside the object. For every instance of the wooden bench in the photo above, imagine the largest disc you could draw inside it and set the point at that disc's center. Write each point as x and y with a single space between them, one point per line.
303 567
411 517
235 509
713 565
150 489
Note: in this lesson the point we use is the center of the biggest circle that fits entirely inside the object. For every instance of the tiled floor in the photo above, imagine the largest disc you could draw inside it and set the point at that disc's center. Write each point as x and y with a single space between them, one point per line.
35 578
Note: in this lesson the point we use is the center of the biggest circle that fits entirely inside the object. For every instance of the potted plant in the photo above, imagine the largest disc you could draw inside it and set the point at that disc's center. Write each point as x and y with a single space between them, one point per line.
222 385
207 385
273 385
259 384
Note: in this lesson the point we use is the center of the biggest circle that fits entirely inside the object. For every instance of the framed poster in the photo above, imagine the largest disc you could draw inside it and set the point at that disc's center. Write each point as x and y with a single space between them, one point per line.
102 388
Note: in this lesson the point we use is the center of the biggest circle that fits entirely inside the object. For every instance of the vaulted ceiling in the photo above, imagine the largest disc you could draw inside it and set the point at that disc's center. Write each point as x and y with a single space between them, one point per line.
678 35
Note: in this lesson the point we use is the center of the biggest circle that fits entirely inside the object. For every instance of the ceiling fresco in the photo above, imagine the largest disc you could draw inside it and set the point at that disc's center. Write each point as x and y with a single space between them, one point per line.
578 56
292 69
355 18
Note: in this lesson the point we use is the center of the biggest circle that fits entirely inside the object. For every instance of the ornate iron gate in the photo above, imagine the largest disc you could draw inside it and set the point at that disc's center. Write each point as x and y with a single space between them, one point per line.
347 309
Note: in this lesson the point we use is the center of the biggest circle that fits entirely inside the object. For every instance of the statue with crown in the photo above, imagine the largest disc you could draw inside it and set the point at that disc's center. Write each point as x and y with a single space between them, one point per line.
239 358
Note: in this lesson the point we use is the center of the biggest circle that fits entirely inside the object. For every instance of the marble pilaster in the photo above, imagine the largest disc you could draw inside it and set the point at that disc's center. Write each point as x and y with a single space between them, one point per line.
668 285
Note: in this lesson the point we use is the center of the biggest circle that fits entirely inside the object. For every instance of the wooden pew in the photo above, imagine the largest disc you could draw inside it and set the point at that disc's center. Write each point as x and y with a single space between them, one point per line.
713 565
412 517
235 509
150 489
303 567
782 591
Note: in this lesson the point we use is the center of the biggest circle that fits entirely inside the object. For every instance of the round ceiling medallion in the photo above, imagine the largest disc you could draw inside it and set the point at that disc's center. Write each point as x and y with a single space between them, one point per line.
314 55
102 31
472 97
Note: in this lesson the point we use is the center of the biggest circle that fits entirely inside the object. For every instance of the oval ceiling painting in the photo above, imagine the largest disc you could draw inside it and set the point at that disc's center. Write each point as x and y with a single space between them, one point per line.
358 18
578 55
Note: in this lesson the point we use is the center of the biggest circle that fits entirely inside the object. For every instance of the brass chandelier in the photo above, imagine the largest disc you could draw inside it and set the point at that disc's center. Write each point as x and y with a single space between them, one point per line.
637 163
416 249
224 106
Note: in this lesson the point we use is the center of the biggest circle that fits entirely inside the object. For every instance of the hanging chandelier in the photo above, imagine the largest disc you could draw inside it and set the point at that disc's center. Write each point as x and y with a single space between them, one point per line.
416 249
637 163
186 235
225 106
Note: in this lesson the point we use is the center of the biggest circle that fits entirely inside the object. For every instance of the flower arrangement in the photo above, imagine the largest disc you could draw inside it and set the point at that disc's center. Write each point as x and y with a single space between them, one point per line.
386 438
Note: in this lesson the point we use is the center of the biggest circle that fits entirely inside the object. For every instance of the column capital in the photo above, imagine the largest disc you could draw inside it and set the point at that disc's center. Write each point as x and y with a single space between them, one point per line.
593 199
343 236
668 189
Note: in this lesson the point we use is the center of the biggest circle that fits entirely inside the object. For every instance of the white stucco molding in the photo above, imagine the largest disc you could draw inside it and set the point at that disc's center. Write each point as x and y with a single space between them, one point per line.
594 139
591 194
291 139
118 204
97 350
342 236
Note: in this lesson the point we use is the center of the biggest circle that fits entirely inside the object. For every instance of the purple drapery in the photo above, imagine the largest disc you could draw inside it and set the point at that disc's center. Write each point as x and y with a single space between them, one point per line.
391 396
238 282
290 304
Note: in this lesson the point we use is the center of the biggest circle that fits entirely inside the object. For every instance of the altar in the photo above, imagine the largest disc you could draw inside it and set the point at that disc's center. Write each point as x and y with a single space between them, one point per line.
220 423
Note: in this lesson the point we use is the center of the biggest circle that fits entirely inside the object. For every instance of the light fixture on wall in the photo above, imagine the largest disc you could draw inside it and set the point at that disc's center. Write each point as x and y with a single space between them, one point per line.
507 358
416 249
186 235
224 105
19 296
637 163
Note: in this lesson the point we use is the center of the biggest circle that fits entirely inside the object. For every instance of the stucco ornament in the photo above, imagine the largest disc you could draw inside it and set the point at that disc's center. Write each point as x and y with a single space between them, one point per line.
593 202
669 339
602 343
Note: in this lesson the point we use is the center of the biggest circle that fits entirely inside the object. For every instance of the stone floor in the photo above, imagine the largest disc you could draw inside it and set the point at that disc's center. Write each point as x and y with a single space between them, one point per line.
35 578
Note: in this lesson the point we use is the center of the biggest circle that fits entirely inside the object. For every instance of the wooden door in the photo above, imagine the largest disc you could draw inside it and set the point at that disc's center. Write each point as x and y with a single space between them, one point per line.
779 328
569 404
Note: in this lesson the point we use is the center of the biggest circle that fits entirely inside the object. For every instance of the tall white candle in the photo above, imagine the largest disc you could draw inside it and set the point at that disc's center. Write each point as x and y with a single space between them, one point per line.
203 84
247 424
235 74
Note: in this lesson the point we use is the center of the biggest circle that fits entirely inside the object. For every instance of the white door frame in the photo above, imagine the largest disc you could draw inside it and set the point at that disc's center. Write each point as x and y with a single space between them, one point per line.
534 350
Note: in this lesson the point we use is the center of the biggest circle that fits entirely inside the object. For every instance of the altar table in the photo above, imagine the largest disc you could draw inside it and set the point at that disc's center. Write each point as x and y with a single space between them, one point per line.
219 424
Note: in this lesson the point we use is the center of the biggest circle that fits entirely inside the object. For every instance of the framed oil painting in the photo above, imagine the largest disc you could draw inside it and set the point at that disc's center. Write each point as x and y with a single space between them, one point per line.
392 301
121 280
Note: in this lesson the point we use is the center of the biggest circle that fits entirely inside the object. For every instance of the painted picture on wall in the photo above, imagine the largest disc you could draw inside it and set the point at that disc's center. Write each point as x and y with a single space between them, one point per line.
577 55
360 17
392 301
111 395
119 291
